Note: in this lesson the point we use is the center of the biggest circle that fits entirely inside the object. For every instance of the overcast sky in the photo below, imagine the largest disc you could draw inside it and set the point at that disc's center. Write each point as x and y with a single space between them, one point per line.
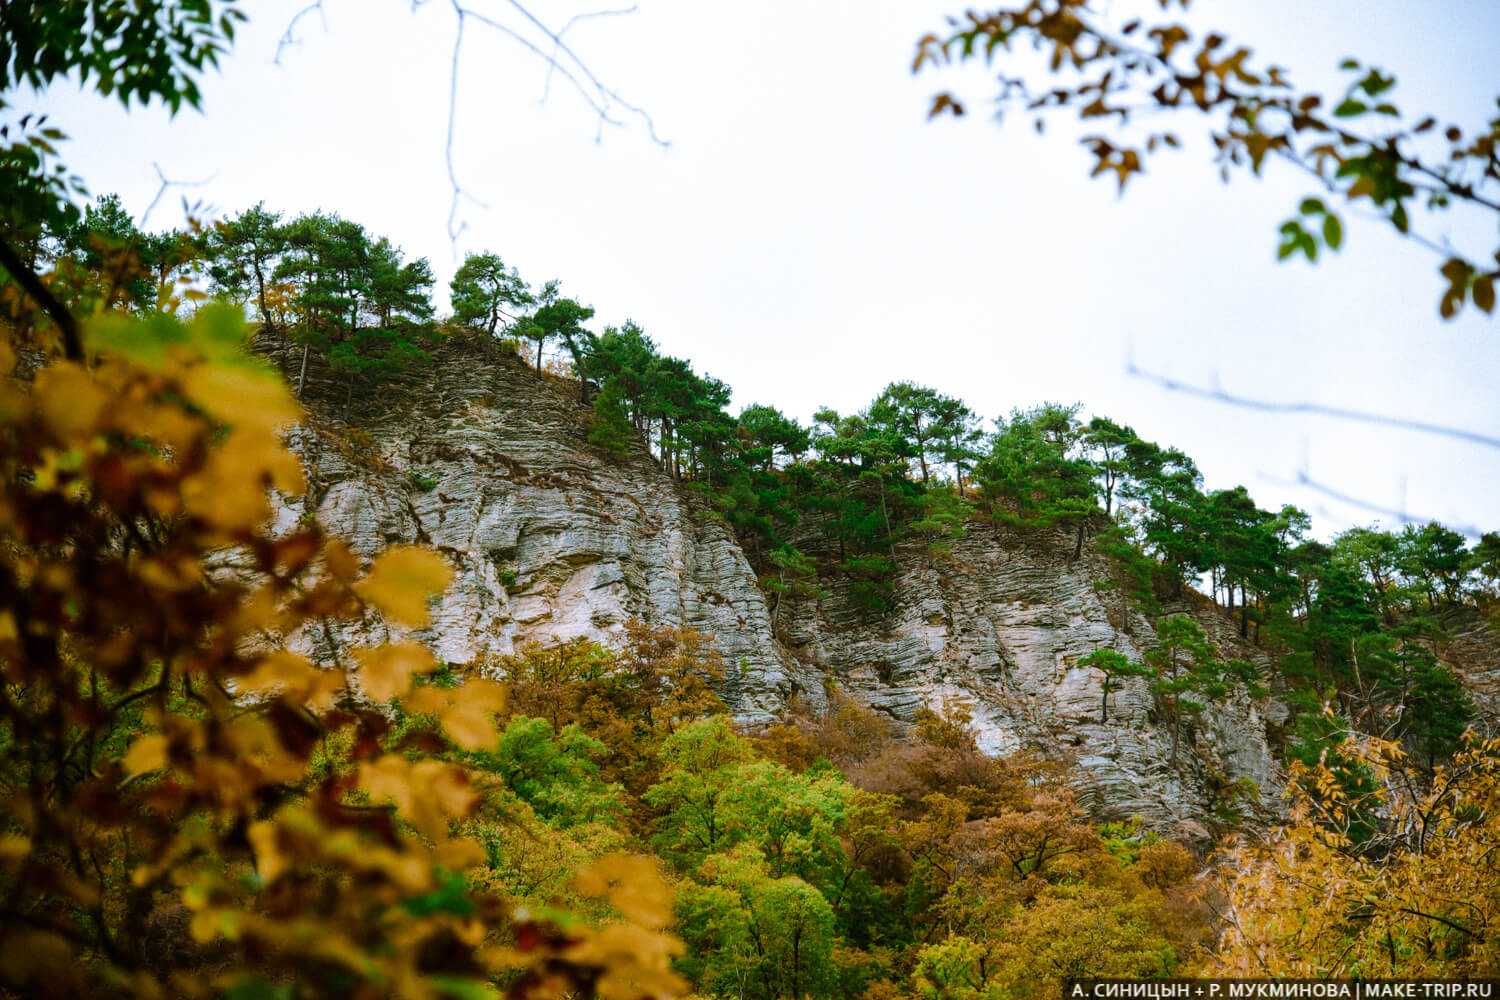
808 237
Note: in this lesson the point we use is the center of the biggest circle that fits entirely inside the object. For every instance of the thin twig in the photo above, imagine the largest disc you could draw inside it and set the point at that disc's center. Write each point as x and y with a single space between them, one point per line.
576 18
1307 482
601 98
1318 409
562 60
289 37
165 184
458 192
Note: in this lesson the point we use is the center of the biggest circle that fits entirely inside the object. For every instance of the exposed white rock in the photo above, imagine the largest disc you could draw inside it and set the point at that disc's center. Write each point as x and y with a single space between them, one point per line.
550 540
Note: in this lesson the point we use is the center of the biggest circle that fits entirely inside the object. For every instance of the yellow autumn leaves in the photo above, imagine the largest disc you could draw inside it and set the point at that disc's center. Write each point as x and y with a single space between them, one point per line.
402 579
1412 891
310 831
465 713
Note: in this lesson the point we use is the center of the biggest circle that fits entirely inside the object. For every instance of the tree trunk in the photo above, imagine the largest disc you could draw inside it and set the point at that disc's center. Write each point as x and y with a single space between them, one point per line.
302 375
1078 545
67 326
260 288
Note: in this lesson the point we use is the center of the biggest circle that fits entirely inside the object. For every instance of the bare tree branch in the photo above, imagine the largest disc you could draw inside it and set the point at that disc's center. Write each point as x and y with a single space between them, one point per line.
1306 481
1318 409
575 19
534 36
32 284
600 97
458 191
606 96
289 37
165 184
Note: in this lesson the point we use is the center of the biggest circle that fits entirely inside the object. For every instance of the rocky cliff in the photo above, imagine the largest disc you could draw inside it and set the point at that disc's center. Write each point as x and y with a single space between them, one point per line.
551 540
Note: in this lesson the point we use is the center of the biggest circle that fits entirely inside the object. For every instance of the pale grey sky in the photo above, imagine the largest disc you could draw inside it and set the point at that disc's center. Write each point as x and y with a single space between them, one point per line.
809 237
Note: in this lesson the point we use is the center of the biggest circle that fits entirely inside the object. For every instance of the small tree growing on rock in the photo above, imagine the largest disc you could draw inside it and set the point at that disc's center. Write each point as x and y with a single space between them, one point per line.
1116 667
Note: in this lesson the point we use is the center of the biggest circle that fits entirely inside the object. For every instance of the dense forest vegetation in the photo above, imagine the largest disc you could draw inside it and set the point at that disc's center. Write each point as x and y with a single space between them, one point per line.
191 807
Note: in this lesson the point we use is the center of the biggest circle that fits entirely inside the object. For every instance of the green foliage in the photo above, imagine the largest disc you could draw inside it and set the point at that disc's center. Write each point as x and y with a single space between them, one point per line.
753 934
555 772
130 51
1033 472
486 292
852 489
1188 674
353 299
242 253
611 428
136 52
1116 667
558 319
1320 739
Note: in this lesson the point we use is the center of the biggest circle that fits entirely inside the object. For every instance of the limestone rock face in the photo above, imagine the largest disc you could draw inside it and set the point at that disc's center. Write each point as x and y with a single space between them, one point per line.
1472 649
999 625
551 539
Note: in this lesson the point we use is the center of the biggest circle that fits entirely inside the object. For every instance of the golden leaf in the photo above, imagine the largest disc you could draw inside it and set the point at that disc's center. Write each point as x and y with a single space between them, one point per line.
427 793
426 701
402 579
385 672
282 668
339 559
468 727
459 853
230 491
633 885
69 400
242 395
297 680
270 862
171 426
147 753
259 745
256 612
14 846
467 720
